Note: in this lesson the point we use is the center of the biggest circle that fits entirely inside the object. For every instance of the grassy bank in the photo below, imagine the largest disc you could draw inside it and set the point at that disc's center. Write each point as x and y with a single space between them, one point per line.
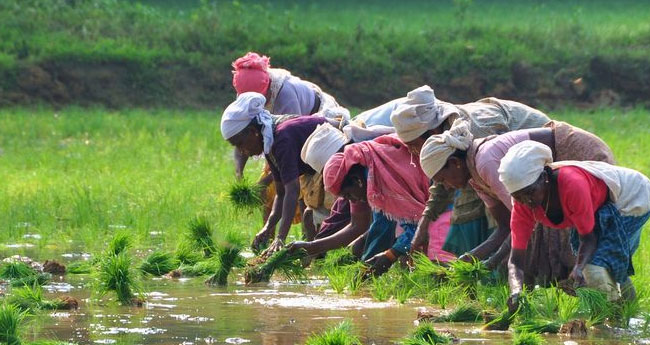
123 53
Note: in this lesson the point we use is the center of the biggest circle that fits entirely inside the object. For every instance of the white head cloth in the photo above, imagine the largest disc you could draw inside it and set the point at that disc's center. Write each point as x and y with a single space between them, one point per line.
418 114
247 107
322 144
438 148
523 164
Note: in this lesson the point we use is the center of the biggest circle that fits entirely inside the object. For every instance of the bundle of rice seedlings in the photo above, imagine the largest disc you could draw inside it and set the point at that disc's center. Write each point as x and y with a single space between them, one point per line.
119 244
337 279
525 338
469 312
115 274
595 305
380 288
468 275
159 263
80 267
31 298
16 270
567 307
283 261
186 254
425 269
201 268
11 318
227 257
501 322
538 325
246 195
442 295
200 235
425 334
340 334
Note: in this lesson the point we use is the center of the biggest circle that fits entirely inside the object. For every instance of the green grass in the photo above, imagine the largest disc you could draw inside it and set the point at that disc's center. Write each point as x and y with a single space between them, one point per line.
10 324
525 338
340 334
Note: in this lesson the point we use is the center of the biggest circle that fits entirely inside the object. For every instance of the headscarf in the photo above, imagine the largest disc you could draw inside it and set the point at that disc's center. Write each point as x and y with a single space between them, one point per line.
322 144
418 114
251 73
523 164
395 187
438 148
238 115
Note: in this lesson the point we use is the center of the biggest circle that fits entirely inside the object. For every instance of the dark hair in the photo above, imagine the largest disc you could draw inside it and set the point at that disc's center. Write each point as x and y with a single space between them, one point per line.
460 154
356 171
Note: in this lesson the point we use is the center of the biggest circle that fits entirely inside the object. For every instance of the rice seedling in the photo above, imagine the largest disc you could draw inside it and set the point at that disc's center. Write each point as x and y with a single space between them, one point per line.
11 318
538 325
336 258
31 298
379 288
119 244
626 310
493 297
340 334
355 276
186 254
200 235
469 312
80 267
442 295
35 279
595 305
283 261
16 270
337 279
468 274
425 334
227 257
567 307
115 274
158 263
245 195
403 293
525 338
545 301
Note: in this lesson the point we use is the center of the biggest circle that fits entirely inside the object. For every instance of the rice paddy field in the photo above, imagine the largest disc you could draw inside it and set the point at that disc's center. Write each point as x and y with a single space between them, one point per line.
106 191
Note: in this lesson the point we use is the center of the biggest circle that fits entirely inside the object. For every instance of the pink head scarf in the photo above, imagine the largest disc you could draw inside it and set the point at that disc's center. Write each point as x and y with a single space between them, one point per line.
397 185
250 74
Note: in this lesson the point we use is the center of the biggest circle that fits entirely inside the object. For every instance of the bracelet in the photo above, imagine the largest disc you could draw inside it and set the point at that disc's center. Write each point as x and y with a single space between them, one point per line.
390 255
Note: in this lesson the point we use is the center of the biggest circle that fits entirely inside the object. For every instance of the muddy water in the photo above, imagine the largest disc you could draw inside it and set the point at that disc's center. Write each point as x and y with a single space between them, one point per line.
188 312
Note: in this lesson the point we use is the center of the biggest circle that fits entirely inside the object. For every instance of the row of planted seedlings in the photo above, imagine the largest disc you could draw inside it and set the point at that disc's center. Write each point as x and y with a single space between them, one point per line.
115 272
468 292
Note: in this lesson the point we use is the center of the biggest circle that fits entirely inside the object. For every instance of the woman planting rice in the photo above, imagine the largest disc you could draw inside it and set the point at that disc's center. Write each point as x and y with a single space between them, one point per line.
353 218
253 130
381 174
423 115
455 160
284 93
606 204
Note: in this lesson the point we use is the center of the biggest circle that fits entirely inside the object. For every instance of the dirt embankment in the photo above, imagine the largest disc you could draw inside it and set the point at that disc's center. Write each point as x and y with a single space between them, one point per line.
599 82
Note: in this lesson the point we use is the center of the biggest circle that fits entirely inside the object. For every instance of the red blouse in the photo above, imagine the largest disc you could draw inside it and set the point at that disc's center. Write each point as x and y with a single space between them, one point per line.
581 195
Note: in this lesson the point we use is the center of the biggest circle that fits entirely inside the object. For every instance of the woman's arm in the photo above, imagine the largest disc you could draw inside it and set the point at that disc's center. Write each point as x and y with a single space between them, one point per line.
439 200
288 195
359 223
515 277
502 215
586 250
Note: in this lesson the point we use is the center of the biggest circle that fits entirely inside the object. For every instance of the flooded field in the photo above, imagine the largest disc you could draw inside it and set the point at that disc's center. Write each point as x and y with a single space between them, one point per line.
186 311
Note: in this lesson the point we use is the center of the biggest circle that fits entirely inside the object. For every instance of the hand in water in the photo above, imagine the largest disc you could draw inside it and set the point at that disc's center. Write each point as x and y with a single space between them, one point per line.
276 245
379 264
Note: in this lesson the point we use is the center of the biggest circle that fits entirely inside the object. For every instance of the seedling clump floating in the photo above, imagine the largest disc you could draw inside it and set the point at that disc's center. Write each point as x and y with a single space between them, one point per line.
159 263
200 235
340 334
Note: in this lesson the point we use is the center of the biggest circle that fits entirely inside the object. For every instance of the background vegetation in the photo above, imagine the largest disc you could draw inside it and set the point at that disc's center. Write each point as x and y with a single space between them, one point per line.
171 53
